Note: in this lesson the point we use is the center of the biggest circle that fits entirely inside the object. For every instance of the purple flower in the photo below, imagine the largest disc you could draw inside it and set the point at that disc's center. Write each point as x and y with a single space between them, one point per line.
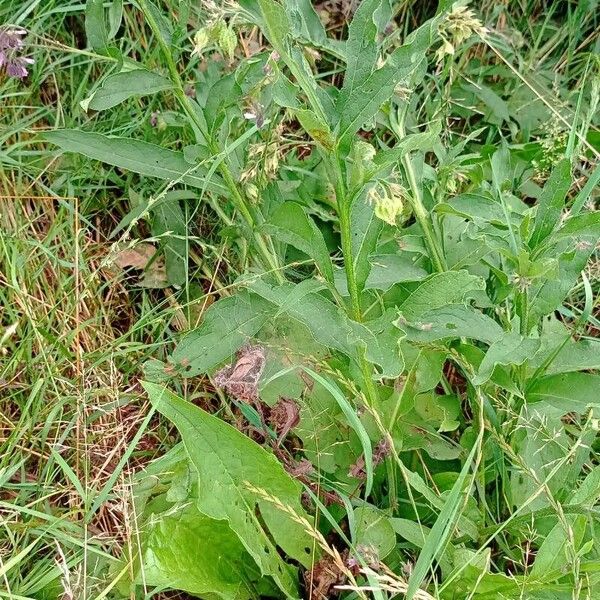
11 43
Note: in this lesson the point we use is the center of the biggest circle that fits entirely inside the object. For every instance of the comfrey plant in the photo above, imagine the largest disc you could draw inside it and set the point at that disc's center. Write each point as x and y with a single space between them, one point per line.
11 48
385 332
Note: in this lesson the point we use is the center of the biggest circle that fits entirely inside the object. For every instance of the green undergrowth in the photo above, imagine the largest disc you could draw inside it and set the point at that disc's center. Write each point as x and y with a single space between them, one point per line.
311 308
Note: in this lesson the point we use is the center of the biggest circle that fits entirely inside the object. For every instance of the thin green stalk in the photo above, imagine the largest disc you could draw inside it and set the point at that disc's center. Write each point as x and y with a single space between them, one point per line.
268 257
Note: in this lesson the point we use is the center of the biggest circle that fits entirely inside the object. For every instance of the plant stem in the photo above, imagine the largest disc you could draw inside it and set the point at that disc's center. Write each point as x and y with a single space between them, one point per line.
344 208
268 258
434 248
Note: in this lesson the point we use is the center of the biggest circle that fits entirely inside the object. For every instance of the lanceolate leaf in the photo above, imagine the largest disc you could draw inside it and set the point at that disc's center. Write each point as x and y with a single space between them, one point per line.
365 99
134 155
361 47
121 86
551 202
229 466
365 229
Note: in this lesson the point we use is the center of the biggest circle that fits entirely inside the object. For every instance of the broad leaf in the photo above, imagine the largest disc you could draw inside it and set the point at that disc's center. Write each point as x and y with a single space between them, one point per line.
361 46
228 324
512 349
452 321
451 287
174 554
230 467
373 528
364 100
557 395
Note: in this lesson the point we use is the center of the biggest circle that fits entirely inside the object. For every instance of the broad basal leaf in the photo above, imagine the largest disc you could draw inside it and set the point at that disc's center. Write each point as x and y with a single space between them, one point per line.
331 327
183 549
229 467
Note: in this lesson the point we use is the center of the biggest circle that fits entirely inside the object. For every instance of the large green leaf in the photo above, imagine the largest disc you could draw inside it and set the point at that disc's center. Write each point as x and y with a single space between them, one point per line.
563 540
366 96
451 321
228 324
229 466
580 355
292 225
557 395
438 290
361 46
331 327
185 550
119 87
134 155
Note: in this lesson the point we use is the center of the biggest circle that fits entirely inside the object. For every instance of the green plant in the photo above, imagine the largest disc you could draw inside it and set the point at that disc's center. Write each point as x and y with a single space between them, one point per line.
399 346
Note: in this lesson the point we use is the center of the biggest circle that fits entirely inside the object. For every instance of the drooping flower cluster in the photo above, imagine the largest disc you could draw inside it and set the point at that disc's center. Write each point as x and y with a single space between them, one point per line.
458 26
11 46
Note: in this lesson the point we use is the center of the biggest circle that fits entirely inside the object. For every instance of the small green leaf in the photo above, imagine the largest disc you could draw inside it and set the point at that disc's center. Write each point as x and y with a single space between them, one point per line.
452 321
373 528
119 87
291 224
551 202
512 349
169 223
365 229
438 290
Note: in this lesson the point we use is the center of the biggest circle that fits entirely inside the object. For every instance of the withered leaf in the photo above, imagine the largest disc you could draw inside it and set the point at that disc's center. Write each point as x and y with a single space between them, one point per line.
240 379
